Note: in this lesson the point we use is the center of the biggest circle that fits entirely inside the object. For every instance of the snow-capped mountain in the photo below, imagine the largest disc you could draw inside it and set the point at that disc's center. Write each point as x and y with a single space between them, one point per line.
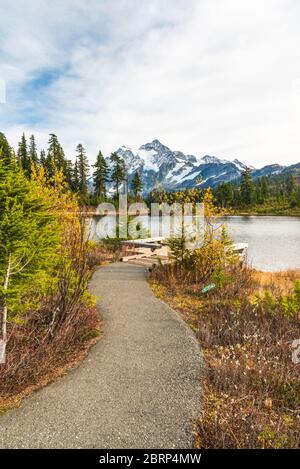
160 167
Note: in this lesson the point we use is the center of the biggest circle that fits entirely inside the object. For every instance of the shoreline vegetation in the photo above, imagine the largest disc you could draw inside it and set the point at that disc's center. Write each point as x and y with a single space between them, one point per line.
264 212
245 322
251 391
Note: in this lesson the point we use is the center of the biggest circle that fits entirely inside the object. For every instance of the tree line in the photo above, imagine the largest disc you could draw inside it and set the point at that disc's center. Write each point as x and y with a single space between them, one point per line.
89 182
268 192
272 191
93 183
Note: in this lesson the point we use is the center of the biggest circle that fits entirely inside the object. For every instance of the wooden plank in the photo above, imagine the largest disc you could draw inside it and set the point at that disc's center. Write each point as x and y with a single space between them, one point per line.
136 256
141 244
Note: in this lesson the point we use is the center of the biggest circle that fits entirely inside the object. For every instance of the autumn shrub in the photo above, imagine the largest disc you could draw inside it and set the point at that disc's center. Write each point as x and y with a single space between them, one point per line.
288 304
245 327
54 317
251 393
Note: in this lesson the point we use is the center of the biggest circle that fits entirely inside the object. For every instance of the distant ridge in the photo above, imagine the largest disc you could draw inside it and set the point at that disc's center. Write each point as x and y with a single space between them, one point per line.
161 167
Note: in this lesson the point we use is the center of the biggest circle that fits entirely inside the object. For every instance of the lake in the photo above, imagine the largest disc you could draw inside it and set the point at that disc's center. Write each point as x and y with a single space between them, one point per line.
274 242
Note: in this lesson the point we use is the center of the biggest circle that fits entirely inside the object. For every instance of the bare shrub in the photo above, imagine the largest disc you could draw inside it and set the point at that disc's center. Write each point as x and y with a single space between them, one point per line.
34 356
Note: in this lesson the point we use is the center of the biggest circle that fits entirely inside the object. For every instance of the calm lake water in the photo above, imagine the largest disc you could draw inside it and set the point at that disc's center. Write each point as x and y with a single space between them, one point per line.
274 242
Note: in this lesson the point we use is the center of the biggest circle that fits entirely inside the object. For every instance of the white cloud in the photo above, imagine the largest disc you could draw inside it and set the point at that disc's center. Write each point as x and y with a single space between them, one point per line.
204 76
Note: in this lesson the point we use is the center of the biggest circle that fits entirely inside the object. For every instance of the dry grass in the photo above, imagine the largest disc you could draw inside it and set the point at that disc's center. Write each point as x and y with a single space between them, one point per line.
34 357
251 394
281 282
104 253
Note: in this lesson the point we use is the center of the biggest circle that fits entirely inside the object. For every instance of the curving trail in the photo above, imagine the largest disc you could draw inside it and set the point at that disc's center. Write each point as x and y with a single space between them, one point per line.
138 388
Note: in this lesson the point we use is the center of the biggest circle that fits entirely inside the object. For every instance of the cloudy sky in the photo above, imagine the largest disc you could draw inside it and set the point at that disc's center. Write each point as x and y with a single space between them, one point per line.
218 77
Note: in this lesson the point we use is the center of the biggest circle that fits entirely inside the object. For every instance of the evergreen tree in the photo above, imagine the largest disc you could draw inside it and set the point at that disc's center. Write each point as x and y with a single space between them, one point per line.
5 149
43 159
224 194
264 188
136 185
55 157
100 176
290 184
23 156
247 187
28 242
75 184
33 155
118 174
83 170
69 174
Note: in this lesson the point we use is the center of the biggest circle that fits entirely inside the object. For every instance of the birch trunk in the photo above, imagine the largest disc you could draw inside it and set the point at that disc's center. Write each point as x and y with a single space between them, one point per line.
3 341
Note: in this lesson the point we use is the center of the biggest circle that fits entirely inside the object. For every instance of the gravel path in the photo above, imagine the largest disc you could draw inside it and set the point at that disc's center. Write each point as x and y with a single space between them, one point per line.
138 388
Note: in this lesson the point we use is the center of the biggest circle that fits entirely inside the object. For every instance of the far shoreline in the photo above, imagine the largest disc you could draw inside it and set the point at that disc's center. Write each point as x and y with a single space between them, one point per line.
91 213
254 214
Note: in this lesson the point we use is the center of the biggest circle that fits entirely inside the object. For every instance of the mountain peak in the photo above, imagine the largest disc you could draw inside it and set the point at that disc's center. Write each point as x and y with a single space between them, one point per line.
160 166
207 159
241 165
155 145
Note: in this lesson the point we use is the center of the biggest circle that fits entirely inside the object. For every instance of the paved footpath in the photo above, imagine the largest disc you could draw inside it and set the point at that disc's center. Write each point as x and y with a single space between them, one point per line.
138 388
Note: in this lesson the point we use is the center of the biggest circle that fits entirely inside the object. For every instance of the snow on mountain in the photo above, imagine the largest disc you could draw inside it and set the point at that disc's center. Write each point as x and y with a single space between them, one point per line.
271 169
160 167
242 166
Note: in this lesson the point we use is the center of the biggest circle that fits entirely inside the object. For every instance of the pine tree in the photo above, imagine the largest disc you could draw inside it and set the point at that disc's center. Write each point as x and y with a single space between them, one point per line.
33 155
69 174
5 150
247 187
75 182
118 174
264 188
55 157
290 184
23 156
43 159
100 176
224 194
136 185
28 242
83 170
